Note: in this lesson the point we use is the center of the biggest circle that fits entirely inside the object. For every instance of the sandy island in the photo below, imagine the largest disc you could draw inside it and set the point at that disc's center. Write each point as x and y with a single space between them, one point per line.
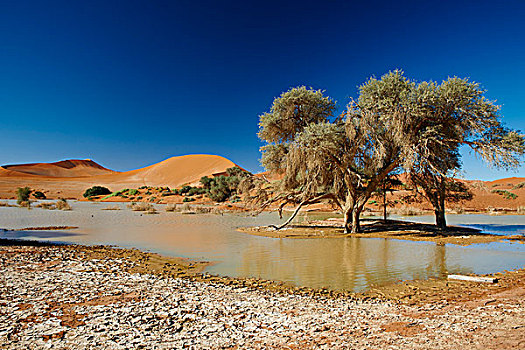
374 228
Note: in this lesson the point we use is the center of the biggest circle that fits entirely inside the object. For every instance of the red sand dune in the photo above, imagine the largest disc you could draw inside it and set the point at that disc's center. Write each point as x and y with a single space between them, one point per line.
63 168
171 172
71 178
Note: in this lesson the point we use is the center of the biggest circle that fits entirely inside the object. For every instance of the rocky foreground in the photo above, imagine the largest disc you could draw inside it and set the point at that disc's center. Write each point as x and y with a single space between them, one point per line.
54 297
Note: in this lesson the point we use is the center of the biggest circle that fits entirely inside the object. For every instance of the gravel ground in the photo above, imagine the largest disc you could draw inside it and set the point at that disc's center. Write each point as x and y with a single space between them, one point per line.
51 298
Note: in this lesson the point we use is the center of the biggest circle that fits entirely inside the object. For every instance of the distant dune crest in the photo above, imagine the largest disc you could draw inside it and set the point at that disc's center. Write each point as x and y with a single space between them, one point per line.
172 172
63 168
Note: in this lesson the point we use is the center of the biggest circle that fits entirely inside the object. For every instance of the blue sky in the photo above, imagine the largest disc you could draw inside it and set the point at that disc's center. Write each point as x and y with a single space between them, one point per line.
130 83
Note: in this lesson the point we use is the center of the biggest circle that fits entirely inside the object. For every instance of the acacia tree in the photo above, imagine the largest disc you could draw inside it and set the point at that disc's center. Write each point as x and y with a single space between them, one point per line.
394 124
341 159
456 114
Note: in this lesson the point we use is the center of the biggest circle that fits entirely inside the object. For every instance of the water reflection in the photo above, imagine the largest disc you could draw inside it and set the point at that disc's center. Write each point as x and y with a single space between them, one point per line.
349 263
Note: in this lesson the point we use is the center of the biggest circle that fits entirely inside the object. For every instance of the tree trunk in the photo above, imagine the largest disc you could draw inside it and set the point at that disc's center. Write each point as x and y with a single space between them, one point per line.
384 204
356 227
348 220
439 210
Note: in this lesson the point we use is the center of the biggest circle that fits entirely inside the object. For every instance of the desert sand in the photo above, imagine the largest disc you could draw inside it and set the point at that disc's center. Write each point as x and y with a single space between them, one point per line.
70 178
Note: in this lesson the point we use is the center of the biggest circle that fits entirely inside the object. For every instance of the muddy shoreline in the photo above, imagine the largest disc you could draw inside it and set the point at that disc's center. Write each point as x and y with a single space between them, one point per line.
410 292
73 296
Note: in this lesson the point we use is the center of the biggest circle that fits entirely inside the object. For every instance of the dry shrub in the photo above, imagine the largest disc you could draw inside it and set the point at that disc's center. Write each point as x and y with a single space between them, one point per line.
216 211
202 210
62 204
479 185
48 206
409 211
5 204
520 210
141 206
187 208
151 210
114 207
25 204
456 210
171 207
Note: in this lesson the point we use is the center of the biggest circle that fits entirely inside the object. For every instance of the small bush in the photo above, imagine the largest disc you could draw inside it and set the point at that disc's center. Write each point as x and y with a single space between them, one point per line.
39 195
216 211
185 189
96 191
133 192
196 190
202 210
188 199
520 210
25 204
171 207
47 206
456 210
114 207
479 185
22 195
506 194
520 185
187 208
409 211
62 204
140 206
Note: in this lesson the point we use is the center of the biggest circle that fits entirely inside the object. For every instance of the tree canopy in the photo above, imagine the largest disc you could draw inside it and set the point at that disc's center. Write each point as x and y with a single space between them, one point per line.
395 124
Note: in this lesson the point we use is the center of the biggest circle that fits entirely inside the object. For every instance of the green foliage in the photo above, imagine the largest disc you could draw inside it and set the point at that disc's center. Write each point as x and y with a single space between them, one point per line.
96 191
520 185
133 192
506 194
22 194
185 189
221 187
292 111
188 199
220 190
196 190
39 195
206 182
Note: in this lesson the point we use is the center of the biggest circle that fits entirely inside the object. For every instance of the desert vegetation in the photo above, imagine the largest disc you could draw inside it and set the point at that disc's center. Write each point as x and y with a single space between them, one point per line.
506 194
22 196
396 124
39 195
224 187
96 191
141 206
60 204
